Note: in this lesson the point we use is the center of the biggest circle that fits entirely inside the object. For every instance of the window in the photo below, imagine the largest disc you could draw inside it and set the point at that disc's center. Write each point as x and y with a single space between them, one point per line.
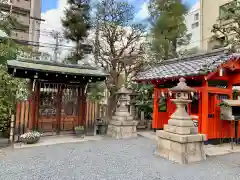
196 17
195 25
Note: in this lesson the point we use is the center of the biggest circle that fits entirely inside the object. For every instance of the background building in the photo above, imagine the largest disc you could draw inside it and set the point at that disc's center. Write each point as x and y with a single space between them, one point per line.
192 20
210 11
28 13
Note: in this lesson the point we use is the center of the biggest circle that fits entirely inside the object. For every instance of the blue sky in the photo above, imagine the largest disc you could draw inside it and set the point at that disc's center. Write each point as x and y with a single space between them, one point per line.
52 4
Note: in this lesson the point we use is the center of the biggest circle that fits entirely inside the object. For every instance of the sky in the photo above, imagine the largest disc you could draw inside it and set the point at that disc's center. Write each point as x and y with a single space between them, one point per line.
52 11
52 4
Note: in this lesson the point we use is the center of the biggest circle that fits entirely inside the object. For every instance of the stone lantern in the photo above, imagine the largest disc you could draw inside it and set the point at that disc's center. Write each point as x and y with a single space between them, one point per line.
123 95
122 124
180 141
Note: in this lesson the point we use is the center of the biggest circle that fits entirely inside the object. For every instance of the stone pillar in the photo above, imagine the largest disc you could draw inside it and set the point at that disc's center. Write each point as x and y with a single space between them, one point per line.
122 124
180 141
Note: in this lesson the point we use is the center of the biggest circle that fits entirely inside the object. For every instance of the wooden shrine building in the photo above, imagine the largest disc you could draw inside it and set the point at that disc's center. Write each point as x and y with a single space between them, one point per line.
57 101
212 75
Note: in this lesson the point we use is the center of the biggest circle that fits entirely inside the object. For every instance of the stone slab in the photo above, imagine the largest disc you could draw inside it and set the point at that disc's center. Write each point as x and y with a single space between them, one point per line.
180 130
122 118
122 131
119 118
181 123
182 153
122 113
123 123
60 139
181 138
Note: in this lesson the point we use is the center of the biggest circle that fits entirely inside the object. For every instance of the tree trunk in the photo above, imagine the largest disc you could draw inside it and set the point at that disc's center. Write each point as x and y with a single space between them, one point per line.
111 106
174 50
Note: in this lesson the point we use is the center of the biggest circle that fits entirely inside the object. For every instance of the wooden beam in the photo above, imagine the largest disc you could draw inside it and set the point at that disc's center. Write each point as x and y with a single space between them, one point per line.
218 90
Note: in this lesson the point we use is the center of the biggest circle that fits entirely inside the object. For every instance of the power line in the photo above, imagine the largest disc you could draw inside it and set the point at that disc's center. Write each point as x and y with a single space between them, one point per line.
55 35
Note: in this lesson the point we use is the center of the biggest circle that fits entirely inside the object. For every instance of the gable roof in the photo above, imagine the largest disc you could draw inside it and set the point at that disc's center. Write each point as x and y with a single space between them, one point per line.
199 64
48 66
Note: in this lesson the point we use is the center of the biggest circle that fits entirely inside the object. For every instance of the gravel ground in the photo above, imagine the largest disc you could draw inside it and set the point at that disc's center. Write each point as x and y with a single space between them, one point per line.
109 159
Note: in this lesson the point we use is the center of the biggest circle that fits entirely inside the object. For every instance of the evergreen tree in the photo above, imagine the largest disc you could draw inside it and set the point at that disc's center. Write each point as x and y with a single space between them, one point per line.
76 24
168 27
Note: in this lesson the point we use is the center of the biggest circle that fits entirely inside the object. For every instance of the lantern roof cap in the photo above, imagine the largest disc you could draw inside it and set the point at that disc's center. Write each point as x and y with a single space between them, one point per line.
123 90
182 87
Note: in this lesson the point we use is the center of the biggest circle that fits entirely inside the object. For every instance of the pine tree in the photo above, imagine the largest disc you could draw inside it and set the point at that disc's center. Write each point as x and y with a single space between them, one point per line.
168 27
76 25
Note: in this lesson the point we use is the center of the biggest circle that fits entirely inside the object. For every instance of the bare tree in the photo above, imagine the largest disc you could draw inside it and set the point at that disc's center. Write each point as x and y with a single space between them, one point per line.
118 44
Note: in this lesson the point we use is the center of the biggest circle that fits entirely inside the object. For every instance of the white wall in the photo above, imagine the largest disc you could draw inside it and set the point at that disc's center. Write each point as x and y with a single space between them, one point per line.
194 32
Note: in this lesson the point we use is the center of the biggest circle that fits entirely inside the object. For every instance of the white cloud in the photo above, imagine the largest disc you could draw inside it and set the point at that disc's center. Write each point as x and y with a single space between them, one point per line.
143 12
53 22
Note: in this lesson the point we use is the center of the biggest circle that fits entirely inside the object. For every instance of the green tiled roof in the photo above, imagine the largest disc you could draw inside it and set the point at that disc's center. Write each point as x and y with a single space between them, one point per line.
47 66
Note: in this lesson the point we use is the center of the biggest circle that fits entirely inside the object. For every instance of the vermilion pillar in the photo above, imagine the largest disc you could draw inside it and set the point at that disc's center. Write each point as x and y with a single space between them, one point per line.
204 123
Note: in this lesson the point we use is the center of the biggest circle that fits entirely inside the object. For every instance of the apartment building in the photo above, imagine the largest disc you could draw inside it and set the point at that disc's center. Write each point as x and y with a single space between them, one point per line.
192 21
28 13
210 11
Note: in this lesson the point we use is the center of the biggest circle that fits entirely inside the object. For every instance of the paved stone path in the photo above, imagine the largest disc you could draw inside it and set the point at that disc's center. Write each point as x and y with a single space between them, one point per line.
109 159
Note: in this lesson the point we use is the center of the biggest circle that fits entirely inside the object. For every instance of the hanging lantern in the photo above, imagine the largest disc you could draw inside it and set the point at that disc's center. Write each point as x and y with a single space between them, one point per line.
170 93
44 89
163 95
221 72
48 89
33 87
192 94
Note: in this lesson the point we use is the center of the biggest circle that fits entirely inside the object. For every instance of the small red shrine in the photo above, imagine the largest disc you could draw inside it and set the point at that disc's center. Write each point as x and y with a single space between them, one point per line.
212 75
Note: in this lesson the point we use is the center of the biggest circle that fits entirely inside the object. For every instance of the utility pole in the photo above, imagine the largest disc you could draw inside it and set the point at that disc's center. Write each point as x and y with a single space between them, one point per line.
56 36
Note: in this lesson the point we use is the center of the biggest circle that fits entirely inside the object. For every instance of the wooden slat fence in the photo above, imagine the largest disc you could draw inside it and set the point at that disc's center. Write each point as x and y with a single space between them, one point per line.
23 121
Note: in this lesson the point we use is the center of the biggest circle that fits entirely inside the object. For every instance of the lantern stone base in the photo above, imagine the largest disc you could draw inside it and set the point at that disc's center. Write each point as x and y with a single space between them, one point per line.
122 129
180 148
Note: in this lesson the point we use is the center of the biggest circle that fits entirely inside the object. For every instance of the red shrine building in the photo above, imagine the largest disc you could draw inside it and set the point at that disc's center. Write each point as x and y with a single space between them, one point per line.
212 75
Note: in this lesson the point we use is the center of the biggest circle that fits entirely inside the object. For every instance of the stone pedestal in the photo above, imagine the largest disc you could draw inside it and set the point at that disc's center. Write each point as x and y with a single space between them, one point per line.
180 141
122 129
122 124
182 149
